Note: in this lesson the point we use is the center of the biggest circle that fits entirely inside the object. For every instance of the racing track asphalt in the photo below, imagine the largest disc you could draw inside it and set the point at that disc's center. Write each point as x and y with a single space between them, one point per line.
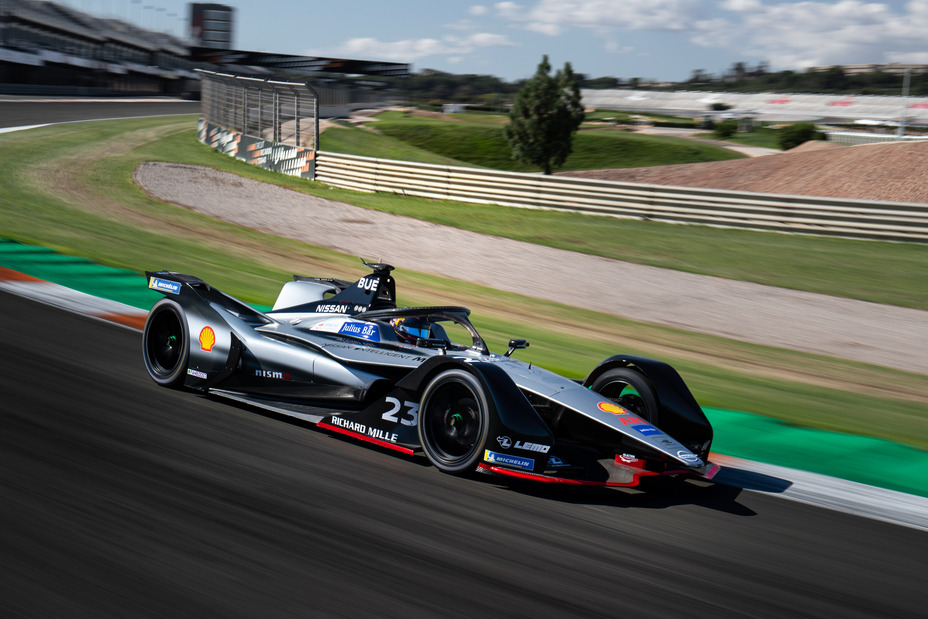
28 111
122 499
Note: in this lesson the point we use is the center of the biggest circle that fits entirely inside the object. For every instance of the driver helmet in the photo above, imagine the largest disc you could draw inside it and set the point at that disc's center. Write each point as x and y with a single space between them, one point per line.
410 329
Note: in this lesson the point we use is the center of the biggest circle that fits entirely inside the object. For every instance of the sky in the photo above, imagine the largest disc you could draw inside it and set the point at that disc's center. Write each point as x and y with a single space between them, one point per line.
649 39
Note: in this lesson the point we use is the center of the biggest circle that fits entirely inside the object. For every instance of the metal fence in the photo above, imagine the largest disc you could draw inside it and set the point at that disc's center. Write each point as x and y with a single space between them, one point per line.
275 124
266 122
862 219
266 109
859 137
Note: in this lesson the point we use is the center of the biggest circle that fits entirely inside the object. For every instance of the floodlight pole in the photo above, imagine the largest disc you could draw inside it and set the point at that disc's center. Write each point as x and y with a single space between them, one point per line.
905 95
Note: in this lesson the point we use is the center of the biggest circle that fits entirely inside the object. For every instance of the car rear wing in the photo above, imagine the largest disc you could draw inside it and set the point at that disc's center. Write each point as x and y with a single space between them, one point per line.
192 290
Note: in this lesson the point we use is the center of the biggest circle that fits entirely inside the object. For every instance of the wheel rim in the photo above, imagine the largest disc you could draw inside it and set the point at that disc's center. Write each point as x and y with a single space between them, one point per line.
627 396
165 341
454 423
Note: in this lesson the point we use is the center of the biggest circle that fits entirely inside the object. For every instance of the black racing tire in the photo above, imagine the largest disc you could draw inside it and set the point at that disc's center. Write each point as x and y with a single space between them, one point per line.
631 390
166 344
453 421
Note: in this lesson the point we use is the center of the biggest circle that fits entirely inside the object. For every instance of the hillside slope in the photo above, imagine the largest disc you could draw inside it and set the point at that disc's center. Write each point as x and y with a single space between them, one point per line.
893 172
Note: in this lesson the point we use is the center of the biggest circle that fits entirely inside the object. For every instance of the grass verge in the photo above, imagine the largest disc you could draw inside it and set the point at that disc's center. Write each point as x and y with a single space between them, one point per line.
70 188
765 137
881 272
485 145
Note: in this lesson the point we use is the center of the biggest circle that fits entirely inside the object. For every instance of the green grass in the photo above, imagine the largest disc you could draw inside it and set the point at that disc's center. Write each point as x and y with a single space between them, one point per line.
615 116
892 273
70 188
481 117
367 143
764 137
609 116
882 272
485 145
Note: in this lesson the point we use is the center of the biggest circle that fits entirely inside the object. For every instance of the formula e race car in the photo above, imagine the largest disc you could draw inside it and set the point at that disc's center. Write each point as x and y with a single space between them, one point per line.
343 356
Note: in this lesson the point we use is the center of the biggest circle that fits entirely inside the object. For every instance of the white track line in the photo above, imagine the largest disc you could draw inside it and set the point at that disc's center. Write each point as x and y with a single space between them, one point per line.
822 491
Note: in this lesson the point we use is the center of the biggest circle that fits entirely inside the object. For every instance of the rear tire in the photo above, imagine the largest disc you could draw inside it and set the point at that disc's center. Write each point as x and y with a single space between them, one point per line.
166 344
631 390
453 421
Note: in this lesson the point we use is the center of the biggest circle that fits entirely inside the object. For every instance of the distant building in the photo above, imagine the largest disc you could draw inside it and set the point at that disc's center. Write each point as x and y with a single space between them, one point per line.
435 72
47 47
654 84
51 48
211 25
856 69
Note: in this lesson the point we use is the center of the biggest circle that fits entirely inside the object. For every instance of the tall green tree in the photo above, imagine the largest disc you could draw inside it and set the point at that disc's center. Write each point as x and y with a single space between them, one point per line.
546 114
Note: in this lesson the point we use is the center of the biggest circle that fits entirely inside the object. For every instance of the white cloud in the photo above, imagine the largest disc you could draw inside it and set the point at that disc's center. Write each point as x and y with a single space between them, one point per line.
508 10
411 50
548 28
400 51
907 57
740 5
799 34
553 16
613 47
796 35
487 39
790 34
464 25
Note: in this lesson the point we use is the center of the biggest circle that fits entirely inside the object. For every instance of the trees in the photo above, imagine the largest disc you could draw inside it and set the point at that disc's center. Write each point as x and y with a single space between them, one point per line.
445 88
725 129
546 114
792 136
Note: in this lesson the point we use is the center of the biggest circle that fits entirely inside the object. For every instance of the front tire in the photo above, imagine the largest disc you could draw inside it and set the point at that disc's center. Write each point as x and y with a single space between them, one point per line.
454 421
166 344
631 390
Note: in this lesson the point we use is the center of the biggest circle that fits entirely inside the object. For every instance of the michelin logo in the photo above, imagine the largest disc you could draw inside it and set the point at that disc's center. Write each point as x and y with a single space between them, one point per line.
526 464
164 285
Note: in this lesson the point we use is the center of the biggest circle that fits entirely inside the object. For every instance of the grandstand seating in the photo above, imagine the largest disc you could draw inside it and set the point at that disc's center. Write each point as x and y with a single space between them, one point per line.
769 106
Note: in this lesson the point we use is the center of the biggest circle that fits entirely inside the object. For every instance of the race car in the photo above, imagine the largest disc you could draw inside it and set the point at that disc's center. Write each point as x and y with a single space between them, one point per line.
421 380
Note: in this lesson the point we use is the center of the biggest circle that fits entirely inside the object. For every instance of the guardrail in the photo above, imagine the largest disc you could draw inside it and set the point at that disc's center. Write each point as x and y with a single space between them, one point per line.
864 219
854 138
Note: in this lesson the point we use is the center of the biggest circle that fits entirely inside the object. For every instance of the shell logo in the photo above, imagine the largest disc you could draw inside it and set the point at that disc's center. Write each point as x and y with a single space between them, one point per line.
610 407
207 338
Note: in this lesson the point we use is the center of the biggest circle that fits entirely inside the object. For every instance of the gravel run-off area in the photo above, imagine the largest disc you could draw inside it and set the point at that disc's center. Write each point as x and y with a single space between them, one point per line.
889 172
872 333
